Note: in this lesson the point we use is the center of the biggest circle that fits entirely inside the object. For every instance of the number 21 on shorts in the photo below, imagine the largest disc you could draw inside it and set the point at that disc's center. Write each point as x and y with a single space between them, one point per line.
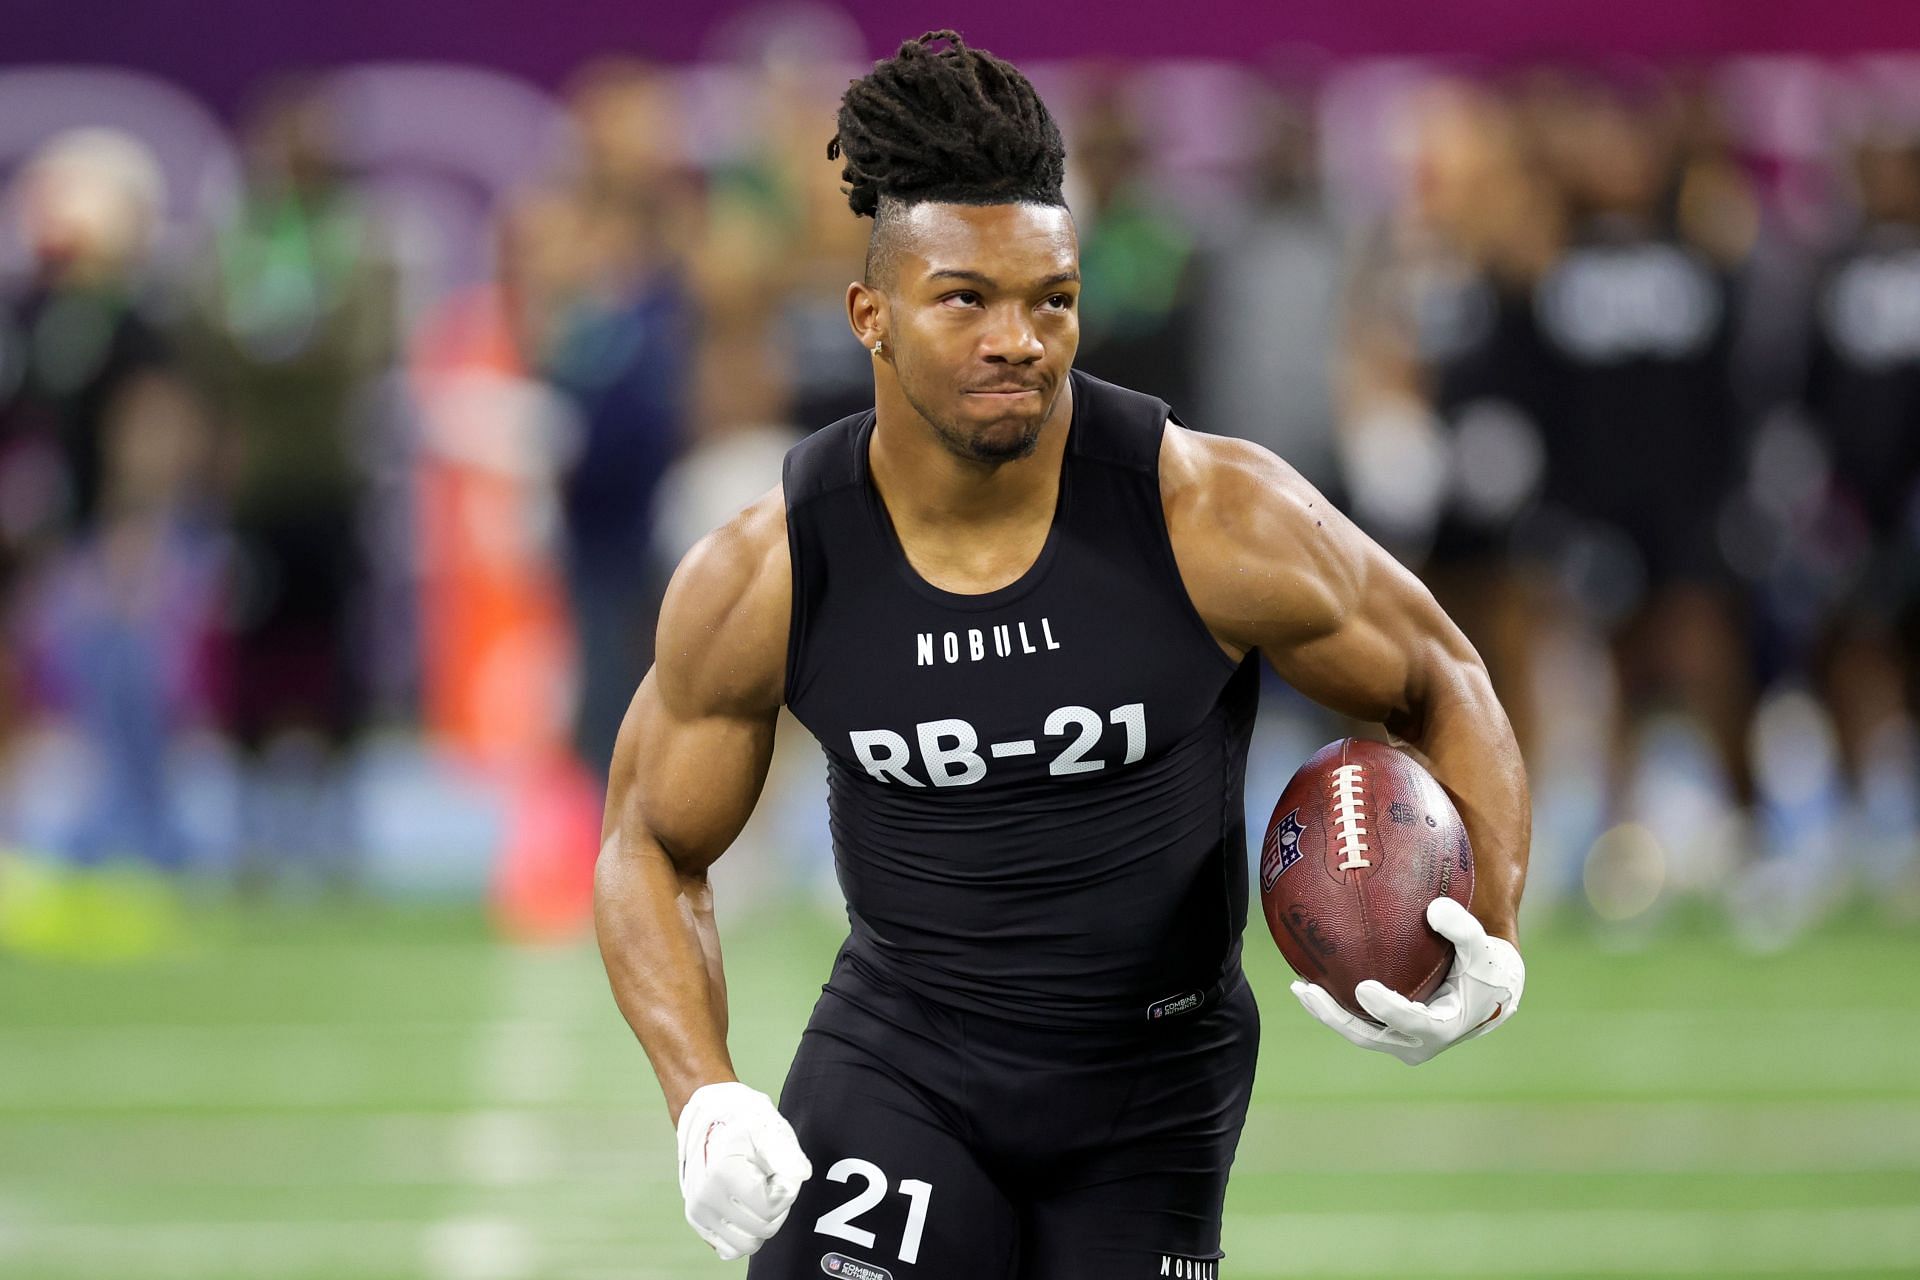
839 1223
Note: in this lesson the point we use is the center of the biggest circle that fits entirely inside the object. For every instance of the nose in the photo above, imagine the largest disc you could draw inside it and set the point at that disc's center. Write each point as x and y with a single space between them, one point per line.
1011 338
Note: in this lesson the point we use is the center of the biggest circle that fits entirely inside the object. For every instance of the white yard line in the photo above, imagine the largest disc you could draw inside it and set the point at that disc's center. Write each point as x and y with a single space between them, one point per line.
478 1249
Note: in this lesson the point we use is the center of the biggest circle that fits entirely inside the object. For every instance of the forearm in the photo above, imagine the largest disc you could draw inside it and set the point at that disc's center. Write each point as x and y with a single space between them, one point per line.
662 951
1465 740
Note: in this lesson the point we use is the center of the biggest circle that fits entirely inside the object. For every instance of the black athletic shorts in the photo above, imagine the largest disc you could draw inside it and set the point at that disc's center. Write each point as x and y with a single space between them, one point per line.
954 1146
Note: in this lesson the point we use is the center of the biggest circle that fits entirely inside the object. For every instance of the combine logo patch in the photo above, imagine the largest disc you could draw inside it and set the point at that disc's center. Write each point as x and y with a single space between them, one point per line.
838 1264
1189 1268
1281 849
1186 1002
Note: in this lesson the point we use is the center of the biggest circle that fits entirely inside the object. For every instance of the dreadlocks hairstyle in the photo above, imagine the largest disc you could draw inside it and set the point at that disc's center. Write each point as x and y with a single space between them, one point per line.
956 125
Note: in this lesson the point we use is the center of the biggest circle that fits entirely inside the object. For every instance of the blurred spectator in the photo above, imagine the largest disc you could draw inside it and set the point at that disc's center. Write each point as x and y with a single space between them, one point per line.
1863 397
125 626
294 319
1138 260
1443 323
106 555
75 334
780 250
1271 282
1644 446
601 285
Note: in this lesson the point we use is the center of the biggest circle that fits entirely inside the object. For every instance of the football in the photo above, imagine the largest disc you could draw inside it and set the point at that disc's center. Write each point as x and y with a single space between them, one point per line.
1362 840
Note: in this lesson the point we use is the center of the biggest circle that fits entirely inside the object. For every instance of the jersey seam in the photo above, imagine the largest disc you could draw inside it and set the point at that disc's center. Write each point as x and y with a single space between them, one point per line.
791 688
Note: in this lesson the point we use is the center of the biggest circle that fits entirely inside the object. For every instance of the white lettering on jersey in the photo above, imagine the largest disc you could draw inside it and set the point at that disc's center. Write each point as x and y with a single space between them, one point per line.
883 753
1607 304
1872 310
950 749
975 644
958 765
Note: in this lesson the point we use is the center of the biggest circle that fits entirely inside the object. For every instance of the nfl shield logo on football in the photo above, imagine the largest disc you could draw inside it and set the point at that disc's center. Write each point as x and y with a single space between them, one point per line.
1280 850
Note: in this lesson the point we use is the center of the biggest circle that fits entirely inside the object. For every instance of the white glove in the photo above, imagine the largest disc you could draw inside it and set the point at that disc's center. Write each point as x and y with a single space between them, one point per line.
1481 992
740 1167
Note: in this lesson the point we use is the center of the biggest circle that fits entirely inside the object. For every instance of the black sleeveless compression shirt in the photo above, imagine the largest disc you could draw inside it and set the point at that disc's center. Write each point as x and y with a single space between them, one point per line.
1035 793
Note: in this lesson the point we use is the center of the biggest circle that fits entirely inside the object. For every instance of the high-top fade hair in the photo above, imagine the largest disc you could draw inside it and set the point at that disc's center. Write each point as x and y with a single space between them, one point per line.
954 125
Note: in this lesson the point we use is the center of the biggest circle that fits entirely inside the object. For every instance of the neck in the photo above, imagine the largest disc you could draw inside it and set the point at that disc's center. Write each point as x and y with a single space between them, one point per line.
924 482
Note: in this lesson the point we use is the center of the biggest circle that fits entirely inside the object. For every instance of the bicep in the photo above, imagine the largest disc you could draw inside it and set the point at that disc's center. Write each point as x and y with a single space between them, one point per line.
1378 641
1280 568
694 747
687 779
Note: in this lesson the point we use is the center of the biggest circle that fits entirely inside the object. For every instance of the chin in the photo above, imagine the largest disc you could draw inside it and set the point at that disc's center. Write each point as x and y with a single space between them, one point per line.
1010 434
998 445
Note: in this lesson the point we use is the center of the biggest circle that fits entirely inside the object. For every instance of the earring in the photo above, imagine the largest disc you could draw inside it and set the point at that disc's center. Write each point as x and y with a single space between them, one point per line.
878 343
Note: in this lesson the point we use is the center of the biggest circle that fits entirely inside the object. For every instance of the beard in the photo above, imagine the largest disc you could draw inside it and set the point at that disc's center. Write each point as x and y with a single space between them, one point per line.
982 443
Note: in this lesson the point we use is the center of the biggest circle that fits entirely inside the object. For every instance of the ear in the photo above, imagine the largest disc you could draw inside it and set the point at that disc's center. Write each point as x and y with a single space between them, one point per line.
867 313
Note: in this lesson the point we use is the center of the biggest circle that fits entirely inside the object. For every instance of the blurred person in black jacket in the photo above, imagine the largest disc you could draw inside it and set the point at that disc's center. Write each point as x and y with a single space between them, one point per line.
1862 395
294 317
1645 445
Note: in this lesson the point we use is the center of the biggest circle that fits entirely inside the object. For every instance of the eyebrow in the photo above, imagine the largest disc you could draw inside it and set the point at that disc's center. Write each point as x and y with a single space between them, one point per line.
955 273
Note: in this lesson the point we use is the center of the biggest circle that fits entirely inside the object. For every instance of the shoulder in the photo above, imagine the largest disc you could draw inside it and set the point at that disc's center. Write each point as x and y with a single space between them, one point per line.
1263 554
722 643
825 461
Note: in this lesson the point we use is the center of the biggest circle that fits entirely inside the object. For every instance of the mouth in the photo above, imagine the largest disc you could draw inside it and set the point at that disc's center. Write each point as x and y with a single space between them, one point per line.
1009 393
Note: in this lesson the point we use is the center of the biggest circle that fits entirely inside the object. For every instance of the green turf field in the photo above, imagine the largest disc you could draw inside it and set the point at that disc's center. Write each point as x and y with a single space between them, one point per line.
392 1094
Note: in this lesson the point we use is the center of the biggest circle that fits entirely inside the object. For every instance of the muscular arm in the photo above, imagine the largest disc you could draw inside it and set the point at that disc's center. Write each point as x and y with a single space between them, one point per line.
687 770
1271 565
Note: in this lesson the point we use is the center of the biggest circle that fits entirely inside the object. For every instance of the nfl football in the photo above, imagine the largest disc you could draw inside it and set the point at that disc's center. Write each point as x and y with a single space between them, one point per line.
1362 840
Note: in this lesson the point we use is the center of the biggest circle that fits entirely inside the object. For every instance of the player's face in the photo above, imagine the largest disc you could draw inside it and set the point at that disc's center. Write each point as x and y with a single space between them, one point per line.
984 321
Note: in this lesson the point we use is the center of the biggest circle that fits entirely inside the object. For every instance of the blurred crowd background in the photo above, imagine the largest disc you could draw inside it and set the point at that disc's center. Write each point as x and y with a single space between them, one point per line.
348 434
